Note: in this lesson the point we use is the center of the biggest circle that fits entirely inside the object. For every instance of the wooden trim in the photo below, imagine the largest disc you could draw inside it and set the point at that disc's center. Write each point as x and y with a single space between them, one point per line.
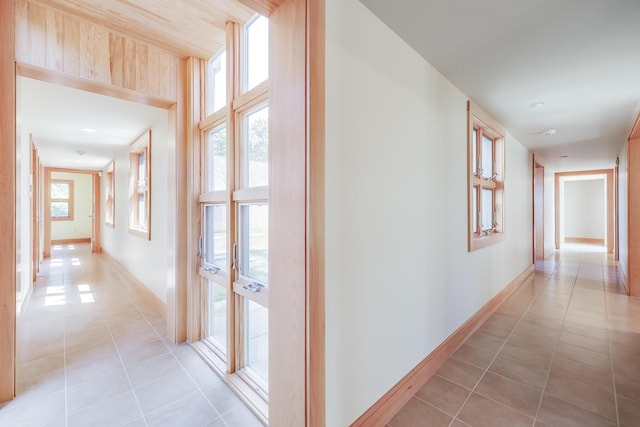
584 240
7 201
251 193
140 145
616 214
146 293
67 80
395 399
110 204
609 201
75 171
634 133
633 215
96 218
623 277
71 241
538 211
315 250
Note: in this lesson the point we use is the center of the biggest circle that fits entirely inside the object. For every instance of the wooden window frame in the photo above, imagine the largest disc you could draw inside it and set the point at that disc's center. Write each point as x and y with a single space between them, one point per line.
70 200
142 145
481 123
110 195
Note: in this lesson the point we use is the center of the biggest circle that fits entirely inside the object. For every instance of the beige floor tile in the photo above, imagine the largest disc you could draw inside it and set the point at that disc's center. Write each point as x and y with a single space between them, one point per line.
600 378
164 390
480 411
557 413
34 412
146 372
95 390
40 386
532 355
241 417
417 413
511 393
582 355
221 397
443 394
526 373
143 352
191 410
485 341
581 394
40 367
473 355
461 373
629 411
118 410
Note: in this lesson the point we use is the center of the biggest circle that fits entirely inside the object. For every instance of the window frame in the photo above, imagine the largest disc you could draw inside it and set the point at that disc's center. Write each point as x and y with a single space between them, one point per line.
69 201
110 195
142 145
481 124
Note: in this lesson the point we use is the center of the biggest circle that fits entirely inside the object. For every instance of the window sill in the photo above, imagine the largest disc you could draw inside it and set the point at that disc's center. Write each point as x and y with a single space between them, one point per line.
140 233
476 243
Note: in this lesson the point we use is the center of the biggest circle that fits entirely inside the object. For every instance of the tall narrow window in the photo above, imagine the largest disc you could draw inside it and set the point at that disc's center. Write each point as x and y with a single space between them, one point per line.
61 200
486 179
140 186
110 195
216 88
256 42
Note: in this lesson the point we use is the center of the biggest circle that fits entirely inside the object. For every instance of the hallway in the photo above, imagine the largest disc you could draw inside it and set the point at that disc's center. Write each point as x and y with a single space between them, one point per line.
92 352
563 350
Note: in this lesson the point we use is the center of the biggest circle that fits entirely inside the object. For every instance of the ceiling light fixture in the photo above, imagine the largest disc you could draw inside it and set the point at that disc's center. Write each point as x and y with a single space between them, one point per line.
564 156
81 153
535 105
88 130
549 132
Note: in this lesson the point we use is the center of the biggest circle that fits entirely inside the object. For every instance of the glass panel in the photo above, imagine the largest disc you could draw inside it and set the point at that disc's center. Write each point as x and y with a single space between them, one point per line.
216 167
217 324
217 82
215 235
60 190
256 159
254 242
257 52
142 211
474 207
474 154
59 209
257 340
487 157
487 209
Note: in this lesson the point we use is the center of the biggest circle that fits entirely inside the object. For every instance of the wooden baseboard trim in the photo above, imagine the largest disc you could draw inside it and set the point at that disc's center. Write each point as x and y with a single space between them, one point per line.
148 295
395 399
623 277
549 252
584 240
71 241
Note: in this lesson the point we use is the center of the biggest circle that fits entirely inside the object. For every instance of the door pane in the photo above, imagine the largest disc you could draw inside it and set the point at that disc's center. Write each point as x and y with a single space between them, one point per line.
256 146
215 235
257 341
217 322
216 160
487 209
474 207
254 242
487 157
257 52
474 149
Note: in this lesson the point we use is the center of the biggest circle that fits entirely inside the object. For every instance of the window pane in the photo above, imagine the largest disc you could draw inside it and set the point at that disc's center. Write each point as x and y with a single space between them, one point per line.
217 322
256 159
254 242
474 207
487 209
474 167
217 82
215 235
487 157
257 340
60 190
216 167
257 52
142 211
59 209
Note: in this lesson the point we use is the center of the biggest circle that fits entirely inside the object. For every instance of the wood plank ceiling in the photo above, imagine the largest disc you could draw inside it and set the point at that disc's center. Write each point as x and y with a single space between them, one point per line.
184 27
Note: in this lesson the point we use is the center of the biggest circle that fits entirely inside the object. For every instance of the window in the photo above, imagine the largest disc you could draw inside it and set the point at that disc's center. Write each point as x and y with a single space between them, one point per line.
140 186
234 204
61 200
486 179
110 195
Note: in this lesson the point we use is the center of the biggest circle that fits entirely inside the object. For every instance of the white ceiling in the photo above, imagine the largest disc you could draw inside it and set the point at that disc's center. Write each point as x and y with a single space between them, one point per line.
580 57
56 116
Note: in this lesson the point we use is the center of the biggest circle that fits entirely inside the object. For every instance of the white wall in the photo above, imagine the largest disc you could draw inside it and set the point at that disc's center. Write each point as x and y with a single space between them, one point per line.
623 219
584 209
145 259
80 227
399 278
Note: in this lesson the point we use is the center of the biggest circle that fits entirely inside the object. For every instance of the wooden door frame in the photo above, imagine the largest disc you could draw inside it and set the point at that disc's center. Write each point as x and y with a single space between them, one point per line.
633 208
537 200
609 198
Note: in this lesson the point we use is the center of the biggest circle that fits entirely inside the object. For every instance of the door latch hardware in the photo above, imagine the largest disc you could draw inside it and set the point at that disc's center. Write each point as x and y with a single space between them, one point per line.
214 270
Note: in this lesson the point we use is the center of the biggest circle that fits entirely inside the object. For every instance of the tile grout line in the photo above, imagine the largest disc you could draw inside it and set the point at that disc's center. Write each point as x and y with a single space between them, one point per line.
613 372
495 356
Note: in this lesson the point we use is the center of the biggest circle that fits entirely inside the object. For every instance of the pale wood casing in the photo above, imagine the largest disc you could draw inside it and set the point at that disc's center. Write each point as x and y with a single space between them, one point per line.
633 209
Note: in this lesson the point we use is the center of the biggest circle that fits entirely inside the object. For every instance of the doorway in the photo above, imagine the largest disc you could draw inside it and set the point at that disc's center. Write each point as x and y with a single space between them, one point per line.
538 211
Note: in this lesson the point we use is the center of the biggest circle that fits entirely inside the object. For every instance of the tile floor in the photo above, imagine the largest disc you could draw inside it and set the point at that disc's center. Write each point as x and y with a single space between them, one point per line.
563 350
92 352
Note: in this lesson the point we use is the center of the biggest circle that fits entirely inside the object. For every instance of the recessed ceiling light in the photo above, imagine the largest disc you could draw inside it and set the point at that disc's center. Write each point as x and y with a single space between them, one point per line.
564 157
535 105
88 130
81 153
548 132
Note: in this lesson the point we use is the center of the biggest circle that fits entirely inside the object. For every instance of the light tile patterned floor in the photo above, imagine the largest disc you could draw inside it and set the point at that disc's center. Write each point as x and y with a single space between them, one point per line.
92 352
563 350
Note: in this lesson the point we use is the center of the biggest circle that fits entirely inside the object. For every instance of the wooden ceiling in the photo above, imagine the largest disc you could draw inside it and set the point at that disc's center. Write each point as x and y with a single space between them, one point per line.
185 27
